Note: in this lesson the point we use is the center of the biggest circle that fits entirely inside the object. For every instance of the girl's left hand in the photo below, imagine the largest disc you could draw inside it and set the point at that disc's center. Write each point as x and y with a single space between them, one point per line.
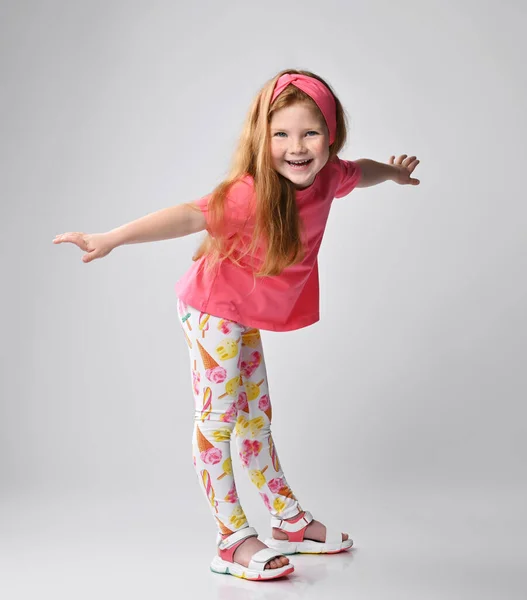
404 168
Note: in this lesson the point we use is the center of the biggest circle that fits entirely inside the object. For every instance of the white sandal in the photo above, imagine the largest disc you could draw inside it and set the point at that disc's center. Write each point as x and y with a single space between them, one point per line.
295 531
224 563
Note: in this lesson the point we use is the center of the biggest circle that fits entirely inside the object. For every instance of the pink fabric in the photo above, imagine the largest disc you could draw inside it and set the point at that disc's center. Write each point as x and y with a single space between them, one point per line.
283 302
316 90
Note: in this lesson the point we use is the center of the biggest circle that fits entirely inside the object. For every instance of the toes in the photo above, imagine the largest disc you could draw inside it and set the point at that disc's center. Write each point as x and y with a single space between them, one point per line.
276 563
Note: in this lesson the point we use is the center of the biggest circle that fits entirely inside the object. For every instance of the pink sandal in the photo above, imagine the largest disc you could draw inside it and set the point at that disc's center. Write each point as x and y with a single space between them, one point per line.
256 571
295 531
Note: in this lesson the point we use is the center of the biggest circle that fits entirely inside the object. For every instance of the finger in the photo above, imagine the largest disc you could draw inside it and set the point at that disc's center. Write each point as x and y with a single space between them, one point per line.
401 159
75 237
68 233
392 158
412 165
89 257
59 238
409 160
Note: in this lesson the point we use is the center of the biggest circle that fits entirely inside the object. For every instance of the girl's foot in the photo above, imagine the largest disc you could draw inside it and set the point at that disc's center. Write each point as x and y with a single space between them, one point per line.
314 531
249 547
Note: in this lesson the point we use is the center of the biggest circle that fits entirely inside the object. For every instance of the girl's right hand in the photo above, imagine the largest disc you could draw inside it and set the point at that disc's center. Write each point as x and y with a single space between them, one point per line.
96 245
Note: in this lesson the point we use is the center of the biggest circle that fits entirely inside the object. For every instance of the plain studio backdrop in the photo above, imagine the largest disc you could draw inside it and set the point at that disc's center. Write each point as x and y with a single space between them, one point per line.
398 418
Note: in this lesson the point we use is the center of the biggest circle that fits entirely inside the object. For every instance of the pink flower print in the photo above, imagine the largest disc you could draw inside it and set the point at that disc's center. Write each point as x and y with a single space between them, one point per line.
249 448
225 326
195 381
216 374
229 416
249 367
212 456
264 403
265 498
194 459
275 484
232 495
245 369
241 403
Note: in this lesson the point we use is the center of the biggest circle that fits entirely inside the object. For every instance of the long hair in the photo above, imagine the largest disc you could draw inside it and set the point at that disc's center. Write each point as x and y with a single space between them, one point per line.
277 223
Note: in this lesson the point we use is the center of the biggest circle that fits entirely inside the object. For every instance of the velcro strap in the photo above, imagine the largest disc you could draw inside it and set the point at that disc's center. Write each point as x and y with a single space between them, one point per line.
241 534
332 537
292 527
262 557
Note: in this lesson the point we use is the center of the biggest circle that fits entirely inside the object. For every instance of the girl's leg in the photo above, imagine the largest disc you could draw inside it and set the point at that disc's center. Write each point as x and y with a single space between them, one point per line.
255 443
214 348
253 437
215 354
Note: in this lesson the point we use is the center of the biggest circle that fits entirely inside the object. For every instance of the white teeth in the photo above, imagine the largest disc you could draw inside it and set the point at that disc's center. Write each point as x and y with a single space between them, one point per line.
298 162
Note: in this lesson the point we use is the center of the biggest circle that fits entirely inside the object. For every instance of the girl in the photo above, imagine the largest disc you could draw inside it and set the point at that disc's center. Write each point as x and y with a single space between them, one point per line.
256 269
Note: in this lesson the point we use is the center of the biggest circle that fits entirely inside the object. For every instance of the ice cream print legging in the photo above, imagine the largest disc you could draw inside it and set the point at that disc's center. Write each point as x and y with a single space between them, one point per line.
229 383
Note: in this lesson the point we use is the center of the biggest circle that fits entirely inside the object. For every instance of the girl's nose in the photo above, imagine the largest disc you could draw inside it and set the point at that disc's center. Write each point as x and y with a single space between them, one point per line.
297 145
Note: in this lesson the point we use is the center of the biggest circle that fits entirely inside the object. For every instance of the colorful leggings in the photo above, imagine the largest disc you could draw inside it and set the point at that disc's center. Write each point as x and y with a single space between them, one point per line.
229 382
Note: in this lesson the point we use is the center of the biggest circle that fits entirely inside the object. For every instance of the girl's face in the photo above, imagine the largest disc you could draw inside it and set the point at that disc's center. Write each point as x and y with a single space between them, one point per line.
298 133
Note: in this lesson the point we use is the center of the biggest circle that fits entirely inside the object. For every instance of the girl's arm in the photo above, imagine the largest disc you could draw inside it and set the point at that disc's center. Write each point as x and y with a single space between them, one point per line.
168 223
173 222
398 170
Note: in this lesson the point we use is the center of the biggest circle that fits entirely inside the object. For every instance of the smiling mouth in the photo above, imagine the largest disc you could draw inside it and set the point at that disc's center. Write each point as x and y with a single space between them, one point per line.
297 164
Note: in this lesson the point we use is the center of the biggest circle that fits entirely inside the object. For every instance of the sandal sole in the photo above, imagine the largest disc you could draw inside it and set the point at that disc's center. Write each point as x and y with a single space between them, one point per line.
223 567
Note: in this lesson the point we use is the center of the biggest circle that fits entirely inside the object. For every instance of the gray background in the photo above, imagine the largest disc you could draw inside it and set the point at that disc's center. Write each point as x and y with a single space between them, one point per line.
398 418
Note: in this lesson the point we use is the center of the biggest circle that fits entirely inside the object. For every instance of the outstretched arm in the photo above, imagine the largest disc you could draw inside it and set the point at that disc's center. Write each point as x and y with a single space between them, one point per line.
168 223
397 169
165 224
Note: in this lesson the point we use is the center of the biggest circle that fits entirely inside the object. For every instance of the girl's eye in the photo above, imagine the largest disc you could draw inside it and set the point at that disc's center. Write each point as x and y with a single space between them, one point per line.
280 133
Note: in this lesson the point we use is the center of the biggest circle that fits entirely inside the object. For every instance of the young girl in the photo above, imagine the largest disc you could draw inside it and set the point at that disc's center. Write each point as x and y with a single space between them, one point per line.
256 269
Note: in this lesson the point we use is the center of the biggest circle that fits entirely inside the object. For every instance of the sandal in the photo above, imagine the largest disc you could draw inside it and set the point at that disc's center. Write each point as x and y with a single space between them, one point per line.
296 543
256 571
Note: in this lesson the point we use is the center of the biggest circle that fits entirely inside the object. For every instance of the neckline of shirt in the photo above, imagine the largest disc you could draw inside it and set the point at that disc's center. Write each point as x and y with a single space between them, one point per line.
301 194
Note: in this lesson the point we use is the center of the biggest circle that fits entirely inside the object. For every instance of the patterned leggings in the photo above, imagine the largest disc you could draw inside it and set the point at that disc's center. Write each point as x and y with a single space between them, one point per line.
229 382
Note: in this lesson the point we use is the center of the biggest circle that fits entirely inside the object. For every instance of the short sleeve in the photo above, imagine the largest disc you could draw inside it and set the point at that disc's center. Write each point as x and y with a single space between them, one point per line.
350 174
238 210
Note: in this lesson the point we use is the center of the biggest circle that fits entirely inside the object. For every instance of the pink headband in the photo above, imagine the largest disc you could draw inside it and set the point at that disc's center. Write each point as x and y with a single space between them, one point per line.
316 90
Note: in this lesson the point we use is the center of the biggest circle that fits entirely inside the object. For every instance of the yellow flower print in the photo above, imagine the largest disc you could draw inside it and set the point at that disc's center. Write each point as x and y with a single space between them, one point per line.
255 425
238 517
258 477
223 434
227 349
253 389
241 425
279 505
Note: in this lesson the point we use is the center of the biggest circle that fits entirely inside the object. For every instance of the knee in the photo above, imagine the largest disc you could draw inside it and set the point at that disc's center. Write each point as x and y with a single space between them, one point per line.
214 426
252 428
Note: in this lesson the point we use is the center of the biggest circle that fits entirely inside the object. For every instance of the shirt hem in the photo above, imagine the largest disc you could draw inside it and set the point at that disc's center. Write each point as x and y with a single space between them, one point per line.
233 315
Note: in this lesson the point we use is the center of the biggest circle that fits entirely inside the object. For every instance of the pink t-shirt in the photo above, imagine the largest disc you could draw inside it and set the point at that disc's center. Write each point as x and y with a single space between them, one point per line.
276 303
